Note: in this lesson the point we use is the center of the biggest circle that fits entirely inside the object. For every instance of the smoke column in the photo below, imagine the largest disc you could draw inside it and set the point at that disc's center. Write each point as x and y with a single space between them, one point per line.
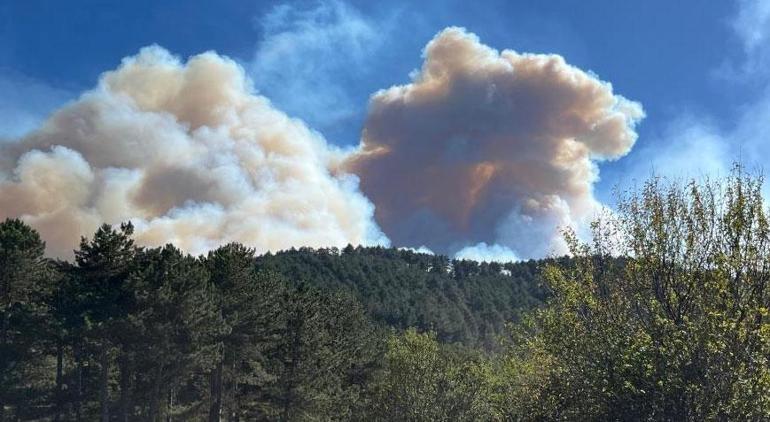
190 155
489 152
483 154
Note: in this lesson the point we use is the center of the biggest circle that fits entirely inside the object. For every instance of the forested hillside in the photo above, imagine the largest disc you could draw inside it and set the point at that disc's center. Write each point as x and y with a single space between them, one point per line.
662 316
462 301
131 333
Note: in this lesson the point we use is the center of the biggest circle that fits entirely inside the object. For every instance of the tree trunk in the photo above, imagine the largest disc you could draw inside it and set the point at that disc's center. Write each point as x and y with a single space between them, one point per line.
294 358
215 409
126 405
155 397
170 411
78 384
2 343
59 380
104 377
3 327
235 399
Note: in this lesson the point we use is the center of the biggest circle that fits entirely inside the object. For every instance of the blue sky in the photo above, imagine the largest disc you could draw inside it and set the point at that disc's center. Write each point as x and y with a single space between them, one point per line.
698 68
663 54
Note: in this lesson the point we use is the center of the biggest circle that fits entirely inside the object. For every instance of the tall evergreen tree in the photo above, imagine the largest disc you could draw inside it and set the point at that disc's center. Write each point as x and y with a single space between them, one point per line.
250 304
327 355
23 278
103 265
175 324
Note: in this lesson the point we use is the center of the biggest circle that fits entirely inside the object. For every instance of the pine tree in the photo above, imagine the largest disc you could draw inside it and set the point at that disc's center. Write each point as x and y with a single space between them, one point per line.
23 280
103 265
328 353
250 304
175 324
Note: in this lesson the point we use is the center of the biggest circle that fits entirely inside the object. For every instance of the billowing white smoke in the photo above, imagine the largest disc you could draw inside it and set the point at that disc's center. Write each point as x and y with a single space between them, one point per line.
191 155
484 154
489 147
487 253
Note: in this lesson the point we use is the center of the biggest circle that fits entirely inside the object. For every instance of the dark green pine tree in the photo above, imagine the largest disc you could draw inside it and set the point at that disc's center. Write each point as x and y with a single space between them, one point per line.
328 353
101 300
64 327
250 304
175 325
24 276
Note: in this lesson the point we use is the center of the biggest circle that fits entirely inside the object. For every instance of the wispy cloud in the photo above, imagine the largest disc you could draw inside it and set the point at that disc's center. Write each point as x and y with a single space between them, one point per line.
752 24
751 27
309 56
696 145
25 103
691 146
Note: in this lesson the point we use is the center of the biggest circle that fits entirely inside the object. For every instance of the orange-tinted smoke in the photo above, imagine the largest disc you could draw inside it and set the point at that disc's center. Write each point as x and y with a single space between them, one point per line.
488 146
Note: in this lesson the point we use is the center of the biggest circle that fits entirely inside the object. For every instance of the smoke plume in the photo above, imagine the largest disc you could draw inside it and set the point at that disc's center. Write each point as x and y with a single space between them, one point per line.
190 155
484 154
487 146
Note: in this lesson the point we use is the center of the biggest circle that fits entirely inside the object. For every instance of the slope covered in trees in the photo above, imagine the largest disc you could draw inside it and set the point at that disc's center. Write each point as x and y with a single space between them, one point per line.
462 301
663 315
131 333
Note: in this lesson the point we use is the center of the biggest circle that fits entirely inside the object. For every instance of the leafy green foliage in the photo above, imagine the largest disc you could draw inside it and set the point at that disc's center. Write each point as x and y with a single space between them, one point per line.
424 380
677 331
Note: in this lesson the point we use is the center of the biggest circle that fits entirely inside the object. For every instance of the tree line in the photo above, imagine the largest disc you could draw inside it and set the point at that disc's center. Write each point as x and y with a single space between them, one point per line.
128 333
661 315
461 301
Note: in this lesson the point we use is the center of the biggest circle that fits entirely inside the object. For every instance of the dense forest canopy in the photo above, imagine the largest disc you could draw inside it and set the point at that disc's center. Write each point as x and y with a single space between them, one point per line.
461 300
662 315
128 333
